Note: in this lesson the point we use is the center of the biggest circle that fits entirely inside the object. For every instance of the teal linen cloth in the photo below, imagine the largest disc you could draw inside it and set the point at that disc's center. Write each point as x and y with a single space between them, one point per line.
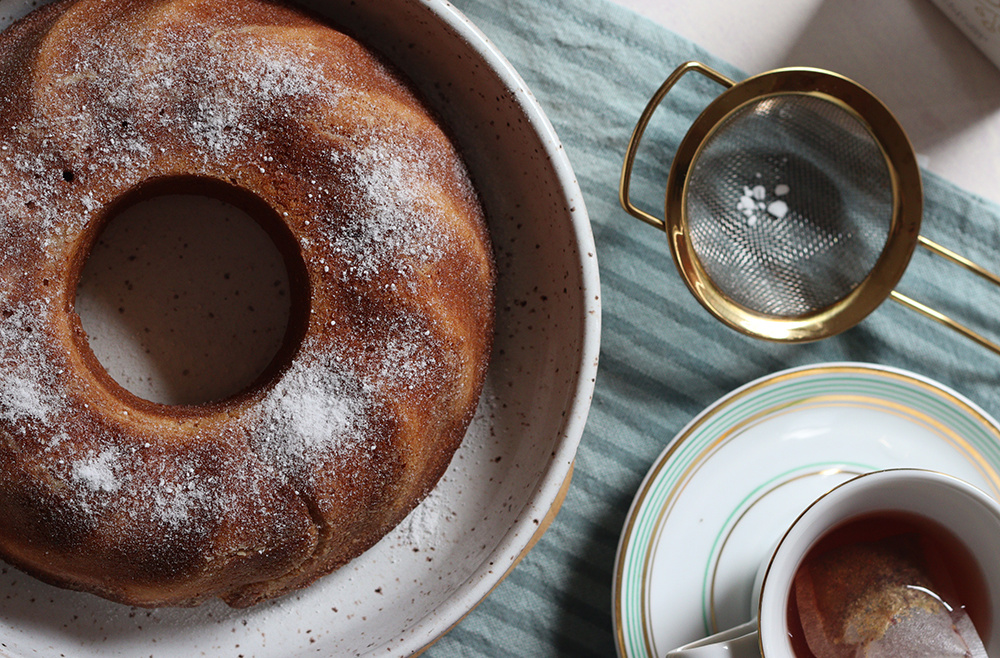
593 67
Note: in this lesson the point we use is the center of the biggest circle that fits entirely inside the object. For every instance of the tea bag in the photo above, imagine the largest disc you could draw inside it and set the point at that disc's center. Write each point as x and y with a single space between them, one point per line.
875 600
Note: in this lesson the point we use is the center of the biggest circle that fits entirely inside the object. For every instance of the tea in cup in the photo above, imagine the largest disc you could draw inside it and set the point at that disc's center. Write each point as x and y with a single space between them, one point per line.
899 562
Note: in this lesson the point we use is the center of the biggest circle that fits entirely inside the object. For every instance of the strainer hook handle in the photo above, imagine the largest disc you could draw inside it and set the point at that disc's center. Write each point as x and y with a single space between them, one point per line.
939 317
640 128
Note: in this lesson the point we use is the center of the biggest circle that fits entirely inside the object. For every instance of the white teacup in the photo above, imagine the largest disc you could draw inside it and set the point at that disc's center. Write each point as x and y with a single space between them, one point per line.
971 515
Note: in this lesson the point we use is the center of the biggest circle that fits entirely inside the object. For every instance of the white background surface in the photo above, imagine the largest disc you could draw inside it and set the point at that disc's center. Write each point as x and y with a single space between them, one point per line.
943 90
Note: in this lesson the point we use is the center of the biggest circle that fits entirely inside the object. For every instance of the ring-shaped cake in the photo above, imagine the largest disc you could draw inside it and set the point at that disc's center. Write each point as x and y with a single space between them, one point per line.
110 102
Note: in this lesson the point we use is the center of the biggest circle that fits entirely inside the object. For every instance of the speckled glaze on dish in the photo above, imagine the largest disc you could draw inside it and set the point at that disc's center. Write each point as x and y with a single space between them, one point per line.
505 480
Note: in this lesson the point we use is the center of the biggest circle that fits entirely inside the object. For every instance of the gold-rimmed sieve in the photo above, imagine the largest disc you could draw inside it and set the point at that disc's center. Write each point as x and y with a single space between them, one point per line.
793 205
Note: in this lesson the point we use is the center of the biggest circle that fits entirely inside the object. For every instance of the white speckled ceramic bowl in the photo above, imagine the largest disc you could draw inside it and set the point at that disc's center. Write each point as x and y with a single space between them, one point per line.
505 482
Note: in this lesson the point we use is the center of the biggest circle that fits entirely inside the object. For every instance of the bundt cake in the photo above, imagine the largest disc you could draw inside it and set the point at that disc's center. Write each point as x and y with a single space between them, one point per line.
109 102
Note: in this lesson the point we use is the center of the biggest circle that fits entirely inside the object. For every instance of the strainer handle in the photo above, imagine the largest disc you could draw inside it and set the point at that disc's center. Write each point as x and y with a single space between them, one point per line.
640 128
929 312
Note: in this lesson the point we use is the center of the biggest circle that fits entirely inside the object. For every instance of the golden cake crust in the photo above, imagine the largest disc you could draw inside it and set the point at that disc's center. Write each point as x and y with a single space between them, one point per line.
107 102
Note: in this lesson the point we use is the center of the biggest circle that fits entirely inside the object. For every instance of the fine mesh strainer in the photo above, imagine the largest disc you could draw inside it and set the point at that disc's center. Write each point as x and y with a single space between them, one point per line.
793 205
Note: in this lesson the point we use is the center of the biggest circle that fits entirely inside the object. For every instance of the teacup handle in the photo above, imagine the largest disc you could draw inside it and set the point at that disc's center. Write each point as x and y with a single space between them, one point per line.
640 128
738 642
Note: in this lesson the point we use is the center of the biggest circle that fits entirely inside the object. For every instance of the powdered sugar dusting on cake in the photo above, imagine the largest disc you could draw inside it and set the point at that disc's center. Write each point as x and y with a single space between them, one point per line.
97 472
179 501
24 398
407 360
275 72
394 229
31 180
315 411
206 89
28 390
143 494
106 115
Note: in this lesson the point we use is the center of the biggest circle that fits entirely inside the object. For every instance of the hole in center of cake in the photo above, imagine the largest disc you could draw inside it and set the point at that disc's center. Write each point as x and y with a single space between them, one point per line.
186 296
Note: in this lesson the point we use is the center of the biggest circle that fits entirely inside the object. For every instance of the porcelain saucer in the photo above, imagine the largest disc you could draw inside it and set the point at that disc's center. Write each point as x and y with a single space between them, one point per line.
724 489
